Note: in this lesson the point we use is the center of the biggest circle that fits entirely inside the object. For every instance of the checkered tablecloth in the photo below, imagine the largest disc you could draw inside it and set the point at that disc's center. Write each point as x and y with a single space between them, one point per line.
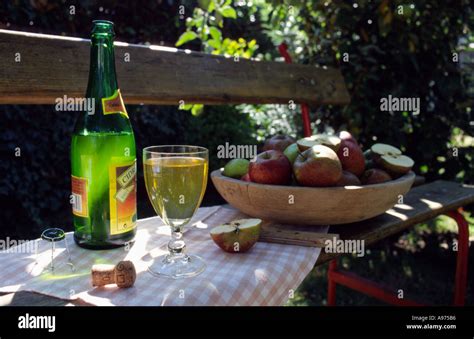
268 274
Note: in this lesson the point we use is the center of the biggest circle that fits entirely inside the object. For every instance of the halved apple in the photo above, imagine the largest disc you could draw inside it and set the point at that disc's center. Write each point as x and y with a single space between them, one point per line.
331 141
399 164
384 149
237 236
391 159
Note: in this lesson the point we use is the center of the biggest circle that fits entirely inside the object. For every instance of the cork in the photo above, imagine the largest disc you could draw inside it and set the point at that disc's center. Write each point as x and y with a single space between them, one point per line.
123 274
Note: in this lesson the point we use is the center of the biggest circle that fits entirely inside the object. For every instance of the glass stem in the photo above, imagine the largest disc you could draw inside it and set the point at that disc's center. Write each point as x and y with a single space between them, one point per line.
52 255
176 245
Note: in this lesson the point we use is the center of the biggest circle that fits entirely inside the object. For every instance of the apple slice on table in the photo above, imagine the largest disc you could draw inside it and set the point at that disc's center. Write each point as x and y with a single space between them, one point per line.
331 141
237 236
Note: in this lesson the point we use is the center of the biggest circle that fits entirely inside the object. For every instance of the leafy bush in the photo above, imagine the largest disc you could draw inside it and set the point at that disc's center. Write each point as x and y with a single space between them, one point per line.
407 54
393 48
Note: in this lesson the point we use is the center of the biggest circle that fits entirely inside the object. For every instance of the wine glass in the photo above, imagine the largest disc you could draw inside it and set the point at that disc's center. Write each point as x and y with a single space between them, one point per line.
176 179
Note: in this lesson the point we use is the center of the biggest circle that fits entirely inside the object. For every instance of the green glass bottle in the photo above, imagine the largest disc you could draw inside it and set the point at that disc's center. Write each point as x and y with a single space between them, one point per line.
103 155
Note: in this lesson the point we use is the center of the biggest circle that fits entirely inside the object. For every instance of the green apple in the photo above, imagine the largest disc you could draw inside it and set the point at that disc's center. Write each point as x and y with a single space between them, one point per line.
237 236
236 168
331 141
292 152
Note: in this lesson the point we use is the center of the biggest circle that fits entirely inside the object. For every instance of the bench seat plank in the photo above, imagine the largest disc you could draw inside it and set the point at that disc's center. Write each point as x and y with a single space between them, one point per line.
421 204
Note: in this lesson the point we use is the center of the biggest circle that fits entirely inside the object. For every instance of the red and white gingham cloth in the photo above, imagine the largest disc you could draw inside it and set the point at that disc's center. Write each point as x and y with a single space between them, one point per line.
268 274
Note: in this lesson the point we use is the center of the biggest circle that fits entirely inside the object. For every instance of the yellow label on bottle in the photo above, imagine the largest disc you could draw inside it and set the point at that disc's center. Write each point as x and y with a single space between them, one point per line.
79 196
123 197
114 104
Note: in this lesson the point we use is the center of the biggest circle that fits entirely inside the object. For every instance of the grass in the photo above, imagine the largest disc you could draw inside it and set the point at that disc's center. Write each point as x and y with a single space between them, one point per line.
420 262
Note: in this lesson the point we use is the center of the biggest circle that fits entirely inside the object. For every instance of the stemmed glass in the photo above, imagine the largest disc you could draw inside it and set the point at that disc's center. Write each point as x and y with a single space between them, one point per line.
176 179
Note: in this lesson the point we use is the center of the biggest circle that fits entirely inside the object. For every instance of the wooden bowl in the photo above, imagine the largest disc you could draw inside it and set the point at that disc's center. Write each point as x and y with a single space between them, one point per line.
312 205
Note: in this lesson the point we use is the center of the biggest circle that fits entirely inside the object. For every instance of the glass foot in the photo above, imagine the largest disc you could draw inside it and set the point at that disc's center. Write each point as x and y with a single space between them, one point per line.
177 266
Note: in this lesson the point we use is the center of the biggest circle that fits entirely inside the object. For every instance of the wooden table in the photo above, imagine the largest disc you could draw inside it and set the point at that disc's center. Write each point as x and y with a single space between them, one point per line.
422 203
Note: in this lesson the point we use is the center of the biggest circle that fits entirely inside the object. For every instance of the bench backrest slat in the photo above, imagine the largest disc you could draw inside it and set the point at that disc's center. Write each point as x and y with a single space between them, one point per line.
53 66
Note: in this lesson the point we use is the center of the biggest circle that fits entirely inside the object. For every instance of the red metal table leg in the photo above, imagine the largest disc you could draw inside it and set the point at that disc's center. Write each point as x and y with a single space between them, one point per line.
306 122
362 285
460 284
380 292
283 49
331 283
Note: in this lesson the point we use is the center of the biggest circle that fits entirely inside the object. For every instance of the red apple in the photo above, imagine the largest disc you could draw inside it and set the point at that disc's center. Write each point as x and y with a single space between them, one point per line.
270 167
351 157
375 176
246 177
348 179
345 135
278 142
317 166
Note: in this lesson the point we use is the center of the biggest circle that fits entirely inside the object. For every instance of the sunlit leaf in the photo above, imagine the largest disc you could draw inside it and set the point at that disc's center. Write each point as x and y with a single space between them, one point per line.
197 109
216 44
228 12
215 33
186 107
204 4
186 37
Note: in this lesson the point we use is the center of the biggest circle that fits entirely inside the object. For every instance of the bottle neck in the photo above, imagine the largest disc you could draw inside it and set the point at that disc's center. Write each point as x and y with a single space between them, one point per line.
102 78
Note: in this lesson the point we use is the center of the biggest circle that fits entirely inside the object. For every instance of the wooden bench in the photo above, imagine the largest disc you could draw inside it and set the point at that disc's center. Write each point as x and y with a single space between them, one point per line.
54 66
421 204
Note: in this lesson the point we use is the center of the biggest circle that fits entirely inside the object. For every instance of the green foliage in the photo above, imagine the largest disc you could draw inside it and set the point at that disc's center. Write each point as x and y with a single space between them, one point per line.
206 23
398 48
272 119
407 54
218 125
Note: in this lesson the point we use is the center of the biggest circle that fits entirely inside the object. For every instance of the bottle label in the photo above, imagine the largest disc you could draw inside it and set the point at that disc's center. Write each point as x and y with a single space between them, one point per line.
79 196
123 197
114 104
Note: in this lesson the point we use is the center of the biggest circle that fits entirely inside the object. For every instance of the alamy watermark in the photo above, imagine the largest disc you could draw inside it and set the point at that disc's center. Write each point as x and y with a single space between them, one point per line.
335 245
68 104
228 151
8 245
47 322
396 104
